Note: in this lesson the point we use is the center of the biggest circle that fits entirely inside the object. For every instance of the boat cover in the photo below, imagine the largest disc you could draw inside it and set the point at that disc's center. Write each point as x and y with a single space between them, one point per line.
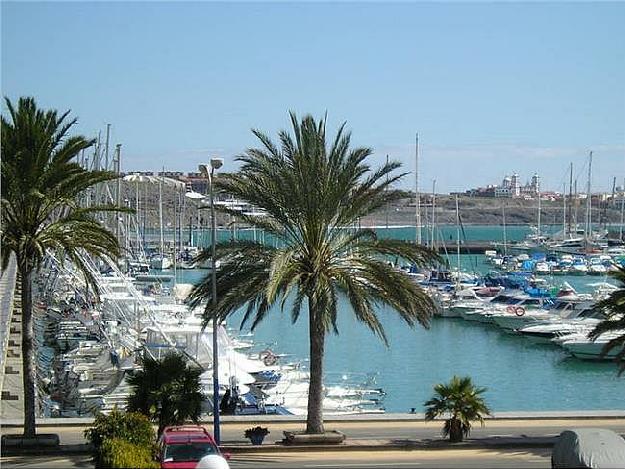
589 447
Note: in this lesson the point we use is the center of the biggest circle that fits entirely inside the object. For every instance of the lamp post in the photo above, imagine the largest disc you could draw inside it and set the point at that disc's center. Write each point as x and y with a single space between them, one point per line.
208 171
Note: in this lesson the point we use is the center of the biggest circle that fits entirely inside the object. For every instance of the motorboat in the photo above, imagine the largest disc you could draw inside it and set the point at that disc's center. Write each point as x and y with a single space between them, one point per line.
596 266
515 305
578 267
160 262
570 318
581 346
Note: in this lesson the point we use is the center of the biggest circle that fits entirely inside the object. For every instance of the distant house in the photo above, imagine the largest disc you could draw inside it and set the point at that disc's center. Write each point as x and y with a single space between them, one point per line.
510 187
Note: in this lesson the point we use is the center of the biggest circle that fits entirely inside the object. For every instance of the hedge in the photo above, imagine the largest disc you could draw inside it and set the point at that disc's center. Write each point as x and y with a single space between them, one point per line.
118 453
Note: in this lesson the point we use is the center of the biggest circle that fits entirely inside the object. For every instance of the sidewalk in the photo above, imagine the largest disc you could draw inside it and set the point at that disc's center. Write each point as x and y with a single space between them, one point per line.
373 435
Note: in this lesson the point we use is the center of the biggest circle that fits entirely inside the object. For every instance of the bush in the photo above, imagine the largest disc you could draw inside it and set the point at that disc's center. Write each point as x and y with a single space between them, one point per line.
131 428
116 453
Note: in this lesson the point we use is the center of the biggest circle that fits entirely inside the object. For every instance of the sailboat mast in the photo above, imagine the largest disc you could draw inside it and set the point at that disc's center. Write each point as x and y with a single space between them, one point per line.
622 211
118 189
538 221
588 201
160 213
458 236
417 195
570 199
503 214
433 221
564 209
386 190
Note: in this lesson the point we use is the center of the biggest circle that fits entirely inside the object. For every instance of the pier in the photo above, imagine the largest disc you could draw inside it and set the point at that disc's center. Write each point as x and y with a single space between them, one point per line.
470 247
11 385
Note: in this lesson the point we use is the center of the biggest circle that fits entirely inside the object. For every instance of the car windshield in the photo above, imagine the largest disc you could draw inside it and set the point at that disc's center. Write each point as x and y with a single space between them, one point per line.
188 451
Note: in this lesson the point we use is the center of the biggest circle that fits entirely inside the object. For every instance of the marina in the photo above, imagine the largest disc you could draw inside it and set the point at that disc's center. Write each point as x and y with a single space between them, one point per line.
85 351
316 234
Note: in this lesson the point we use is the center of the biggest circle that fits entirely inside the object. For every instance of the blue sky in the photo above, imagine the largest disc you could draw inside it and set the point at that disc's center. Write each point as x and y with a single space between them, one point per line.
491 88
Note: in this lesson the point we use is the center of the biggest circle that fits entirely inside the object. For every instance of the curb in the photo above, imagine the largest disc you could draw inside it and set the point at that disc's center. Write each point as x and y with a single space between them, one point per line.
50 451
406 445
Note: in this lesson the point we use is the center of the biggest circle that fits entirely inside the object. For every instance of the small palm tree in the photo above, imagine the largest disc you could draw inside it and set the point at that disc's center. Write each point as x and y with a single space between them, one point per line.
168 391
614 308
41 184
313 194
462 402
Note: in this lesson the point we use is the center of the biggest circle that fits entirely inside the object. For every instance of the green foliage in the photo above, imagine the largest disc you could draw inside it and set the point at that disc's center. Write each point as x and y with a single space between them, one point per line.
313 190
264 431
614 309
41 186
119 453
168 391
130 427
462 402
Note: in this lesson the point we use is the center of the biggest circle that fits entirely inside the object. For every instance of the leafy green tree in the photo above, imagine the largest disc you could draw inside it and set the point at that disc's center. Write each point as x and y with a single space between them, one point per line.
41 184
461 401
168 391
614 308
314 193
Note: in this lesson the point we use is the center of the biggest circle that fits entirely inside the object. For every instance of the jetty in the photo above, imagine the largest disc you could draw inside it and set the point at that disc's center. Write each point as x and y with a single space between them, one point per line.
468 247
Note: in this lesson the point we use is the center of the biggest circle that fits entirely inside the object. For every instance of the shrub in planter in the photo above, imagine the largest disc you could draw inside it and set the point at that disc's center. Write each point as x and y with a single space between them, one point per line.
256 434
461 402
118 453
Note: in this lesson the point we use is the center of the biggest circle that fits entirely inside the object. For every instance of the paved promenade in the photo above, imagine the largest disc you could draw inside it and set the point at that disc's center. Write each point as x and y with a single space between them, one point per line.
11 387
399 431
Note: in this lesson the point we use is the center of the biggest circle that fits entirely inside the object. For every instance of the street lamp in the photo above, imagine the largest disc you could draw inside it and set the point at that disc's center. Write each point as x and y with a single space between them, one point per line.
208 170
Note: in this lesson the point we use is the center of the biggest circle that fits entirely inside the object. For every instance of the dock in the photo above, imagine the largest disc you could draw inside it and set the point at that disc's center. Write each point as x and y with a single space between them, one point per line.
468 247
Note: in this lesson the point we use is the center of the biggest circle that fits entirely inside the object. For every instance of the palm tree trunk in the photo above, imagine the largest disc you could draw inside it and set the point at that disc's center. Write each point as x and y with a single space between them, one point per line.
28 352
314 419
455 431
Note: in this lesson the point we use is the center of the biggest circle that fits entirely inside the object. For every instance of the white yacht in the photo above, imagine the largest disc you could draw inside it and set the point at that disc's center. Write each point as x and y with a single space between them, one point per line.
579 319
515 303
581 346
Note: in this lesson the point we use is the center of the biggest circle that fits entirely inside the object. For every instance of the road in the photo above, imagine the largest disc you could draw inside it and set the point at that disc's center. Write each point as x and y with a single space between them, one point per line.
526 458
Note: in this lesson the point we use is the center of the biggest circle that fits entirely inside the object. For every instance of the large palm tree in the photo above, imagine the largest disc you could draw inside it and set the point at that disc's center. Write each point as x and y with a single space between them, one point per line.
40 187
614 308
314 193
462 402
167 391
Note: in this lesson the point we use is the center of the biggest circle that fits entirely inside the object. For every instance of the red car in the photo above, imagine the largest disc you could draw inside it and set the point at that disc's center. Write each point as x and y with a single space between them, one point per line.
182 447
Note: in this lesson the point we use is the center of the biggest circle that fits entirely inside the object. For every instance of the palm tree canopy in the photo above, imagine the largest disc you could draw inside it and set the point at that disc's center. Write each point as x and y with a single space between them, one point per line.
614 308
459 399
312 194
167 390
40 188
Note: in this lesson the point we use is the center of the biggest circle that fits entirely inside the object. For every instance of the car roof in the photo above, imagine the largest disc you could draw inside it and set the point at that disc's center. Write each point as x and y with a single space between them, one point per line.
185 434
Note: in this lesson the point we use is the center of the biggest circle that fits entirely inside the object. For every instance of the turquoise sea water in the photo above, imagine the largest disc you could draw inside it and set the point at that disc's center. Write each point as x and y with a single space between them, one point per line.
519 374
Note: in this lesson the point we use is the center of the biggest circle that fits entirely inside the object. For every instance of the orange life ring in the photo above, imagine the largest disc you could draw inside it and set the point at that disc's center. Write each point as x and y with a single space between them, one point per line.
519 311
